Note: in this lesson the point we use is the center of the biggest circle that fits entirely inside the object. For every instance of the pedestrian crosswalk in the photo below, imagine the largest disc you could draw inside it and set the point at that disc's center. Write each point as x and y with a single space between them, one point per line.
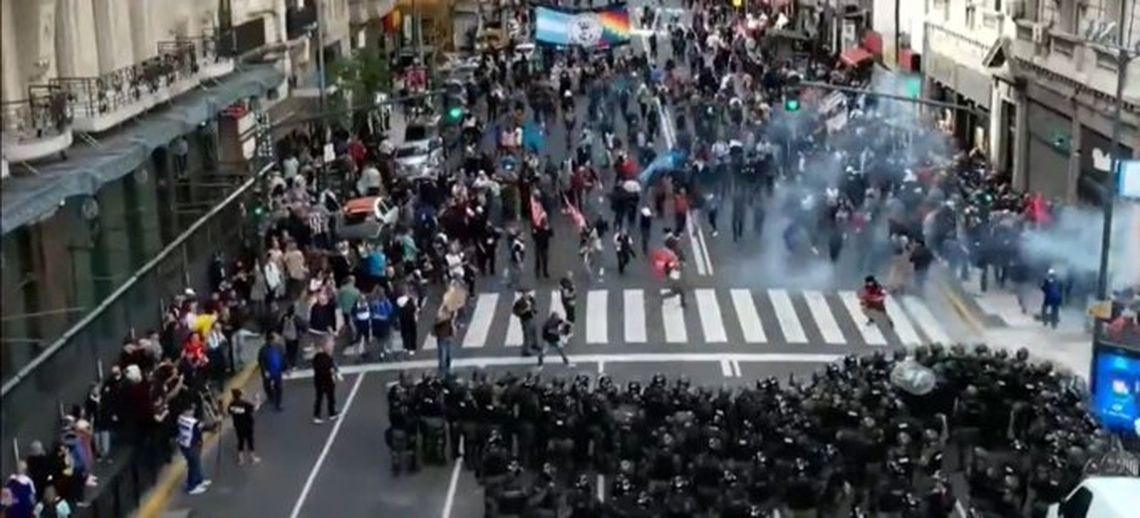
751 319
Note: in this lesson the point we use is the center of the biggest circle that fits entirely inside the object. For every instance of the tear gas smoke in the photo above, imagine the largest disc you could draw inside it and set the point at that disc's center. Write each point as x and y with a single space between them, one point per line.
1072 243
887 129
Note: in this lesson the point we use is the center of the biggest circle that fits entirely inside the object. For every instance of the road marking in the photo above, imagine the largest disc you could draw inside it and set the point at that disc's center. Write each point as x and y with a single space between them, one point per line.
633 306
747 316
786 314
481 318
903 327
452 485
726 368
673 316
596 329
601 368
711 322
736 369
601 487
328 446
698 259
926 320
510 361
430 342
870 332
824 320
556 304
704 247
514 326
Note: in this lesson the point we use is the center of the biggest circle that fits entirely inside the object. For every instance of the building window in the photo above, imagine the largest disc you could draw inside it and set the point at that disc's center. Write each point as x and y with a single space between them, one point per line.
970 16
997 6
1106 60
1062 46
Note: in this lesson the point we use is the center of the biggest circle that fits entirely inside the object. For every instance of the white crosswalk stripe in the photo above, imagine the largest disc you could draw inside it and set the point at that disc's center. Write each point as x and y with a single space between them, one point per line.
514 328
836 315
828 327
481 319
633 305
750 325
926 320
596 309
870 332
786 315
674 317
903 327
711 322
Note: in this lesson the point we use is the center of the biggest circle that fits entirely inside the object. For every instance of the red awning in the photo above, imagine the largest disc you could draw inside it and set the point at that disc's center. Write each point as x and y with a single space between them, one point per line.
855 56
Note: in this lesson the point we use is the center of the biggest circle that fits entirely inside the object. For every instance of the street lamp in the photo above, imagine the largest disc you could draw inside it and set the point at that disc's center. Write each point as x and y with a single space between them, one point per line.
1124 58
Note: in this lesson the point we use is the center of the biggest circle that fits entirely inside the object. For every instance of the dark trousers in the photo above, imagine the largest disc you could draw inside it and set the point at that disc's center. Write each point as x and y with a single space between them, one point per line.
408 335
273 386
292 349
325 392
542 263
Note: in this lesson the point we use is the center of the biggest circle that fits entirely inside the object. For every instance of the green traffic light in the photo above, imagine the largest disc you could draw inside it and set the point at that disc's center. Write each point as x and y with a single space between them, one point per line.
792 105
455 113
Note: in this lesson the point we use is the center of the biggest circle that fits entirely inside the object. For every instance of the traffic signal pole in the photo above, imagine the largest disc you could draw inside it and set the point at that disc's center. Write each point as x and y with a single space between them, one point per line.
895 97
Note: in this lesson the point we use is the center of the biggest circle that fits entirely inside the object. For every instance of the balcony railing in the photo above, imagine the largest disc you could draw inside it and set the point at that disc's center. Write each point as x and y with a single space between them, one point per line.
178 67
44 114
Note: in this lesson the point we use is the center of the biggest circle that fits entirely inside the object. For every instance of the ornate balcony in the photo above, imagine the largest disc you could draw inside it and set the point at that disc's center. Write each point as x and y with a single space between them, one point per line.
103 102
38 126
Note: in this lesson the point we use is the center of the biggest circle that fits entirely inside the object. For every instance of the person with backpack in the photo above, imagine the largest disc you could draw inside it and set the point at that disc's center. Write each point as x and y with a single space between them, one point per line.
554 331
524 309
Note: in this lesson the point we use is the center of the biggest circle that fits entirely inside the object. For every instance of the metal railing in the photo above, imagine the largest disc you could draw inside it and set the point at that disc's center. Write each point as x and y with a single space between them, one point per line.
62 373
44 113
176 60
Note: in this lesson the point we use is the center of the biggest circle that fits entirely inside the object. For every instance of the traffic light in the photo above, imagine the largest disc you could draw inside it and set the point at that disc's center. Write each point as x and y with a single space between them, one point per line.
455 114
792 104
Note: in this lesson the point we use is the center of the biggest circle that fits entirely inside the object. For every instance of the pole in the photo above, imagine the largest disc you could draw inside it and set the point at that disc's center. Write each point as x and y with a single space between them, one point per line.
898 32
321 53
418 26
1122 61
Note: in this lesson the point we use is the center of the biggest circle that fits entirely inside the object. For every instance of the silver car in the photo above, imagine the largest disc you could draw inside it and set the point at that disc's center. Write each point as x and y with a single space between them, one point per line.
419 160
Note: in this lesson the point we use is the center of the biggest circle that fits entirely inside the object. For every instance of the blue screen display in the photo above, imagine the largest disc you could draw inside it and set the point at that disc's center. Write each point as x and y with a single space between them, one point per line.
1117 386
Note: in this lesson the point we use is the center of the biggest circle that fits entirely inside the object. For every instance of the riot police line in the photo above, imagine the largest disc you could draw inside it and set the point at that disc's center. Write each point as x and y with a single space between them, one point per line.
877 435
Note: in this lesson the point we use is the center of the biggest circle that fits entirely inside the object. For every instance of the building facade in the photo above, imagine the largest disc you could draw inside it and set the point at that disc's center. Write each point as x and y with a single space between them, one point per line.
1042 77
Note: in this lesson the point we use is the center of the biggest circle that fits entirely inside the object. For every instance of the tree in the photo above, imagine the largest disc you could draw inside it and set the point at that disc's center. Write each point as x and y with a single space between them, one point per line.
362 75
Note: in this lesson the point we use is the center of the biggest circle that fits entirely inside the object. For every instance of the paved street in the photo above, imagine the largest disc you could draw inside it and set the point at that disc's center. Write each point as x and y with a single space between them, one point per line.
751 314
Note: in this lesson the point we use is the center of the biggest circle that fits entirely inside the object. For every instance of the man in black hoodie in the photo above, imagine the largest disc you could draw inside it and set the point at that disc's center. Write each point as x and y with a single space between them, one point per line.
324 381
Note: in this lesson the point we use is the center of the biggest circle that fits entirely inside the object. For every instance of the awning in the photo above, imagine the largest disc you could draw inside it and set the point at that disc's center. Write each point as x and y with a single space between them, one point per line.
855 56
90 166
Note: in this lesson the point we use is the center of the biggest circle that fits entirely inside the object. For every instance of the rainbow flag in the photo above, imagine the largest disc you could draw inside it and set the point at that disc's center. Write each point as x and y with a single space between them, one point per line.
599 28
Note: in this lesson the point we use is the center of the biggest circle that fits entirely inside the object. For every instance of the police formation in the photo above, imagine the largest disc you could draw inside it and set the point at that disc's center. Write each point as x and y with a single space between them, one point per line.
848 442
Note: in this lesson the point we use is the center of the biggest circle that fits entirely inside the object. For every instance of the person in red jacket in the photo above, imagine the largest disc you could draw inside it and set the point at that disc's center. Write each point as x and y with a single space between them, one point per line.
874 301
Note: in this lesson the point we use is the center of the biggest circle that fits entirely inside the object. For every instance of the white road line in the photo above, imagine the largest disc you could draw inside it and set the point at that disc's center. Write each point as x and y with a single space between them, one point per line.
328 446
870 332
925 319
712 324
726 368
511 361
430 341
698 259
556 304
902 327
748 317
596 312
633 306
601 487
704 247
452 485
514 327
786 315
601 368
824 320
673 316
481 318
736 369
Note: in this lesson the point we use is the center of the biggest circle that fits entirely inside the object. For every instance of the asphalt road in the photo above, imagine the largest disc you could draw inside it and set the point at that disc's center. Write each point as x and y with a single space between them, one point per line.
751 313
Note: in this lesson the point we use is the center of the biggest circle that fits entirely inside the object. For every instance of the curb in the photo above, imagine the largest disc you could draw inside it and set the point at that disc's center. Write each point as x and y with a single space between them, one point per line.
155 501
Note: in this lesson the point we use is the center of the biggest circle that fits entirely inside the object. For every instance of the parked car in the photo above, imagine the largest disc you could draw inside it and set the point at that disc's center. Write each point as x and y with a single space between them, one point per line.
417 160
366 218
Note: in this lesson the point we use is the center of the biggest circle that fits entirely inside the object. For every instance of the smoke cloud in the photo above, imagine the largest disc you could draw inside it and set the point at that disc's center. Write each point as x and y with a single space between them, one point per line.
1073 242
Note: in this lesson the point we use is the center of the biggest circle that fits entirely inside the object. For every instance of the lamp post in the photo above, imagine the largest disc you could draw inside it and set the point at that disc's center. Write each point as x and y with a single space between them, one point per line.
1124 58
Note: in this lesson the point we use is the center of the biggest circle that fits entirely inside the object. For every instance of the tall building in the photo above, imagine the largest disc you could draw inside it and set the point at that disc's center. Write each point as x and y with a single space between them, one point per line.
1040 77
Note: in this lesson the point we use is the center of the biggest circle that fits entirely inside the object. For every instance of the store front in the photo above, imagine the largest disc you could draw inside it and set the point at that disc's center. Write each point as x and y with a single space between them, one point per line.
951 82
1048 149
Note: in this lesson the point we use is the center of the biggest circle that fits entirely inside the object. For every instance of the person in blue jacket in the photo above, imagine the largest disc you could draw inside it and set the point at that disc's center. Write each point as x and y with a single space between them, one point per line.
19 497
1051 290
382 310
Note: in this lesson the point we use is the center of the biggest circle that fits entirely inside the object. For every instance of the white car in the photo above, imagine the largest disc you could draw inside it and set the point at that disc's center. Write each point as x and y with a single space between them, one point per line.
419 160
1100 497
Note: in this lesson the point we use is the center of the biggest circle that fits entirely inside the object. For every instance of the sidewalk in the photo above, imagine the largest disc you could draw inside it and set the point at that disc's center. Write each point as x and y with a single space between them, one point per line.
1004 325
